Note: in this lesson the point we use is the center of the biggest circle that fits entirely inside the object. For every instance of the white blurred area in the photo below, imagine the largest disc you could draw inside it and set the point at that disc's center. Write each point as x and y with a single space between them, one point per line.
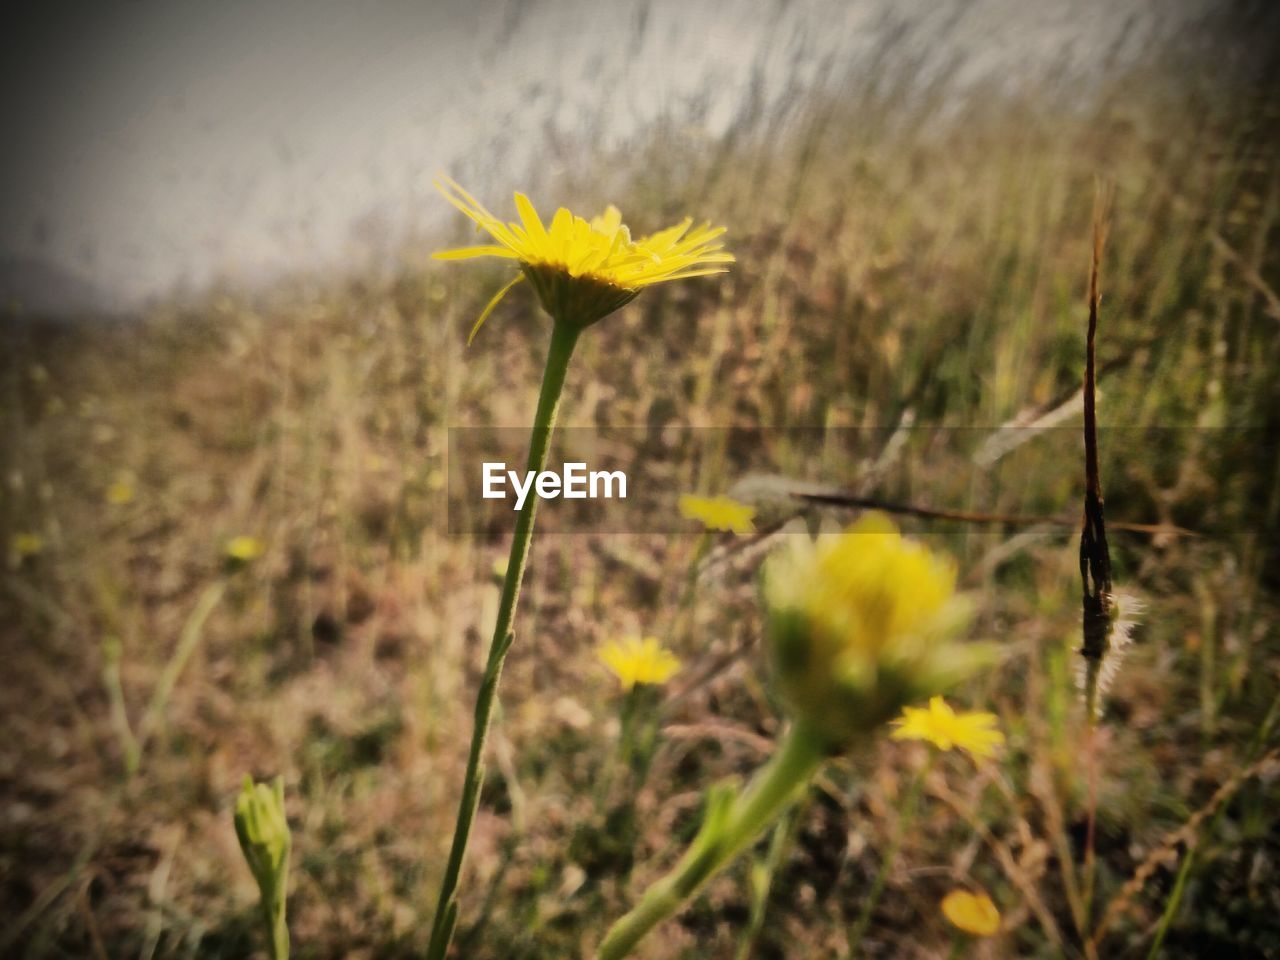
159 146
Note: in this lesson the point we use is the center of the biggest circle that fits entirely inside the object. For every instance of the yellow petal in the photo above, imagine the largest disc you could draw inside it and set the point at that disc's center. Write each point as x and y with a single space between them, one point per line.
497 298
973 913
466 253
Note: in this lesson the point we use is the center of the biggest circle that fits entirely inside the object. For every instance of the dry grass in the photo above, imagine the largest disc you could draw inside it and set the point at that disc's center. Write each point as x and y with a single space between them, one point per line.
894 263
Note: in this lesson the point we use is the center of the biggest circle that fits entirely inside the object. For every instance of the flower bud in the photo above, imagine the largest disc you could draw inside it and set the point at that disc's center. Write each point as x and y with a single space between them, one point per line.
264 839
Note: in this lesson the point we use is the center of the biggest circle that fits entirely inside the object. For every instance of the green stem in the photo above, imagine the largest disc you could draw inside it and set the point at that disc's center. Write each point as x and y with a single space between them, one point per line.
563 339
725 834
905 819
762 879
621 758
274 914
1171 908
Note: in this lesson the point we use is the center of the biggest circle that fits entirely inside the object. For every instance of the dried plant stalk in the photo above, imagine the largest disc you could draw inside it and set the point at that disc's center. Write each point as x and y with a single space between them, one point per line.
1095 557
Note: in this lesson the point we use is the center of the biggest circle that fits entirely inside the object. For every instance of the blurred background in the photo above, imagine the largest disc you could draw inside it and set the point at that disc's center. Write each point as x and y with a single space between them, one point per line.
229 370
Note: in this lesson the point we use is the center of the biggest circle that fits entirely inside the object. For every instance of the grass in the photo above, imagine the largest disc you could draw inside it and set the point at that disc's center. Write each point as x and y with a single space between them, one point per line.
904 259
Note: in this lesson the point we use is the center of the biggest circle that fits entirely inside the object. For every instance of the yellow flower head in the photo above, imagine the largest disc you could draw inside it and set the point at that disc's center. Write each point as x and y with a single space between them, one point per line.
23 545
974 913
635 661
974 732
121 491
243 549
719 513
860 624
584 270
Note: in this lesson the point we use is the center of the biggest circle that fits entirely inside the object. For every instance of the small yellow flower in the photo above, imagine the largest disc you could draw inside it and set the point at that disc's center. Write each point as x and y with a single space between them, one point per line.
860 624
26 544
974 913
121 491
719 513
23 546
973 732
243 549
634 661
585 270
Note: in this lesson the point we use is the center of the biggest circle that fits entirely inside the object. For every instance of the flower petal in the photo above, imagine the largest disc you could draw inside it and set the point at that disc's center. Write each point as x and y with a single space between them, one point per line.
497 298
466 253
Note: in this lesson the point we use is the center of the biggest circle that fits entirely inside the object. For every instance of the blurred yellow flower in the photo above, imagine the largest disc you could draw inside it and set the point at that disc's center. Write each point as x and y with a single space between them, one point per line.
860 624
718 513
244 548
121 491
23 545
636 661
974 913
974 732
584 270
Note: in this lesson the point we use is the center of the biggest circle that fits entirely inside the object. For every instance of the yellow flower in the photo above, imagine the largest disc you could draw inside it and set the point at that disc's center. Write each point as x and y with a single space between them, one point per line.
243 549
974 732
27 544
635 661
585 270
974 913
719 513
24 545
121 491
860 624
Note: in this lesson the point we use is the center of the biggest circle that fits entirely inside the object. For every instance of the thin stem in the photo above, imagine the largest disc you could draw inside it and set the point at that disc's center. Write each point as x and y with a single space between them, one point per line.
622 756
563 339
1091 823
274 914
188 640
732 824
1171 908
762 876
905 819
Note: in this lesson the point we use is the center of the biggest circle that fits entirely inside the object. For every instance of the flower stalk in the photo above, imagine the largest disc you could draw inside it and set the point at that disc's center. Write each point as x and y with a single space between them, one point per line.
564 337
582 271
859 625
732 822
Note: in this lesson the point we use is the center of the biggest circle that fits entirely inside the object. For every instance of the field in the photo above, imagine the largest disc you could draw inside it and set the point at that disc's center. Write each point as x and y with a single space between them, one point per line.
912 271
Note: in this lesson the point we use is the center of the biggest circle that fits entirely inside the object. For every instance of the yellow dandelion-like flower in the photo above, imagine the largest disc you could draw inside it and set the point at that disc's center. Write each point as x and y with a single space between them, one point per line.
584 270
636 661
974 732
862 623
719 513
974 913
243 549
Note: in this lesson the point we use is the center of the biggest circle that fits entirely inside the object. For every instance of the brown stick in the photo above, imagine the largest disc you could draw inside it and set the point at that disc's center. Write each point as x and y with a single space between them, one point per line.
840 499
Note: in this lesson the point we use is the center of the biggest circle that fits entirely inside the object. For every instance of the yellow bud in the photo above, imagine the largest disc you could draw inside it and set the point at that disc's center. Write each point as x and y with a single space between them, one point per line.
262 827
